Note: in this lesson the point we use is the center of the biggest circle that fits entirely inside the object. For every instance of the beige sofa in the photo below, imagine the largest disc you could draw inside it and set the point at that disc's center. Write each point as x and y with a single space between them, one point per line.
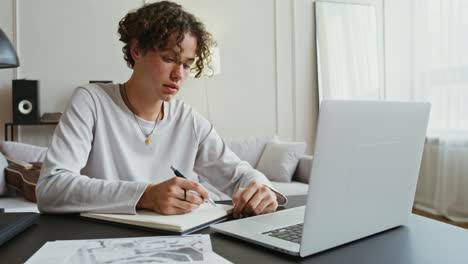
250 150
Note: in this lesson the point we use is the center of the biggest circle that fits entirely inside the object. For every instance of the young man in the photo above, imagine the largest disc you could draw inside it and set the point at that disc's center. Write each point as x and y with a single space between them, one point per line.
114 146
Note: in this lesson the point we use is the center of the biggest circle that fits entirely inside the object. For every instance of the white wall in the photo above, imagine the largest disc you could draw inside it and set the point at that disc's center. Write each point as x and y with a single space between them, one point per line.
67 43
266 87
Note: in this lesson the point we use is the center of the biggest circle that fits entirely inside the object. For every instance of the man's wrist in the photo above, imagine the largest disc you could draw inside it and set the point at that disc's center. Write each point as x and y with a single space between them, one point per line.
143 202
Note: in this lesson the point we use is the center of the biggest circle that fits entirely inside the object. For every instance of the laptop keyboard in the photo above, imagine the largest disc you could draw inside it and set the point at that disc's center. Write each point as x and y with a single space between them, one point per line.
12 224
291 233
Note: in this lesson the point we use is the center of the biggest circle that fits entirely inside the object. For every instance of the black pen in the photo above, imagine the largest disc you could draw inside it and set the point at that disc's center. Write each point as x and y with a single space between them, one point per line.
179 174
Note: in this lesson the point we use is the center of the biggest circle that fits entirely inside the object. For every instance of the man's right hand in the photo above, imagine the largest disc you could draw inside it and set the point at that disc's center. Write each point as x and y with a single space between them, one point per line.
168 197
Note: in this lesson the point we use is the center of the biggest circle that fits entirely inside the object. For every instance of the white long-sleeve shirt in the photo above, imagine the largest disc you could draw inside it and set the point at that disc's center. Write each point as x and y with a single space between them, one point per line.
98 160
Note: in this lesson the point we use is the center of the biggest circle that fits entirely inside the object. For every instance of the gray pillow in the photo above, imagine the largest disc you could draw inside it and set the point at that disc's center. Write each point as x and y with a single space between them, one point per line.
280 159
3 165
249 149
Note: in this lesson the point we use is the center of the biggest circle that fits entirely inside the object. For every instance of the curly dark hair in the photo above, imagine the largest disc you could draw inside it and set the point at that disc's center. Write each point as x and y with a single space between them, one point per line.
153 24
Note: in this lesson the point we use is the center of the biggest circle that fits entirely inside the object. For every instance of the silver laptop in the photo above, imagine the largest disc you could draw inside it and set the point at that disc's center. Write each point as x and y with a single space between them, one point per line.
364 175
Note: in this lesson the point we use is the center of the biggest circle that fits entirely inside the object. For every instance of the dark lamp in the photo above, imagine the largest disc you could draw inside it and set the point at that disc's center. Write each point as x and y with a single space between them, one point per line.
8 56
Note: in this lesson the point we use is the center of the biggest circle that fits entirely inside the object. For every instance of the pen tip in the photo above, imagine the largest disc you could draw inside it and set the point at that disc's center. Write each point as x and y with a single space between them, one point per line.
172 168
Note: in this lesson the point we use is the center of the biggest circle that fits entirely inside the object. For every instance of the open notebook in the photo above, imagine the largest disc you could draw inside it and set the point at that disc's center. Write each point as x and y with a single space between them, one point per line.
205 215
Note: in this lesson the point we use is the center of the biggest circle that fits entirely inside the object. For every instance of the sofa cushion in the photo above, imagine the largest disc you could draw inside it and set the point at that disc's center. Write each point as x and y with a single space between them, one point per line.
249 149
279 159
291 188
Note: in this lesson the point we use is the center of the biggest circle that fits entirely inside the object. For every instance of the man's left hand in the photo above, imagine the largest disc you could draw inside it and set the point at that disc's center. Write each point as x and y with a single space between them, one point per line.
254 200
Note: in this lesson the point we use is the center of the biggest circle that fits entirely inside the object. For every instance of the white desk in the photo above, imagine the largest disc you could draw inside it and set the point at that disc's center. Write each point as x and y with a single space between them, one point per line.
17 204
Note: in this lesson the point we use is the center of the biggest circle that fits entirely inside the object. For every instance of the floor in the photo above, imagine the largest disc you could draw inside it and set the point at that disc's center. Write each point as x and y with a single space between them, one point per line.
440 218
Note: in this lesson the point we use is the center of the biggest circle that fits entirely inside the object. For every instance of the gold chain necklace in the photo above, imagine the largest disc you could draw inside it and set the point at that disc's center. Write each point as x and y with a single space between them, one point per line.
147 135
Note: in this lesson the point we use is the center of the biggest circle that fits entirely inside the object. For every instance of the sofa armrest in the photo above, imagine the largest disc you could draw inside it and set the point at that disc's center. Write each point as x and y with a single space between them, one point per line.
23 152
302 173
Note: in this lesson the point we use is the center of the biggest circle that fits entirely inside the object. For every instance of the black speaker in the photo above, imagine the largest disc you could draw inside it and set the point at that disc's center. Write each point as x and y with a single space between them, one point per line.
25 101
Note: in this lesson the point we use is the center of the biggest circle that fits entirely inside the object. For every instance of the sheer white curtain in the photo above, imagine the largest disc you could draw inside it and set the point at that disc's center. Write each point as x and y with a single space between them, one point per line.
441 77
349 36
441 60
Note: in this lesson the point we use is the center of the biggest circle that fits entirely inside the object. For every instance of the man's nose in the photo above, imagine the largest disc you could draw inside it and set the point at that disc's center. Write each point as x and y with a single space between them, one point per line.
177 72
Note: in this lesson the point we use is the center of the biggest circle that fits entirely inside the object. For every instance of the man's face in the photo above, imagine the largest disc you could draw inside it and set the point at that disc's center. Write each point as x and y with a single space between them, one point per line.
164 71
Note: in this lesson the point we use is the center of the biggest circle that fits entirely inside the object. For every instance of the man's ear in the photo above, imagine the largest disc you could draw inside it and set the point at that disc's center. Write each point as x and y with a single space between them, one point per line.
134 50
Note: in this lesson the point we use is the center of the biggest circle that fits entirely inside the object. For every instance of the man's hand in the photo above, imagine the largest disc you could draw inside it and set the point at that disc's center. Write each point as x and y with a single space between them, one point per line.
254 200
168 197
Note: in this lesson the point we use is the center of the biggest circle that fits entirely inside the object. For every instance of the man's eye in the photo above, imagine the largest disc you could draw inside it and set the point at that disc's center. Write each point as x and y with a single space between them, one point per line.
186 66
167 59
